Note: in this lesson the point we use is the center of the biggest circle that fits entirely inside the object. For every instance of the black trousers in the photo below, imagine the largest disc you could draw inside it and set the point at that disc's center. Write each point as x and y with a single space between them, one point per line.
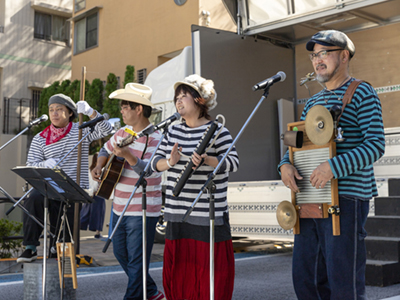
34 203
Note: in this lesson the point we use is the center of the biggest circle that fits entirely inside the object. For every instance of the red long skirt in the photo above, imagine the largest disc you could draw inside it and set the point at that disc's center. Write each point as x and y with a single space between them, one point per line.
186 271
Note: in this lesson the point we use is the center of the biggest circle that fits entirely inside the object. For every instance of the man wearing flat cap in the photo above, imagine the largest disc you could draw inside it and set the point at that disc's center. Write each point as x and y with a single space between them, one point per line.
327 266
136 109
46 150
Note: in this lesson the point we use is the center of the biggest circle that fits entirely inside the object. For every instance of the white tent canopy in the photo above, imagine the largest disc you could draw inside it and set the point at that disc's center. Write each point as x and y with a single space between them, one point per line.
163 78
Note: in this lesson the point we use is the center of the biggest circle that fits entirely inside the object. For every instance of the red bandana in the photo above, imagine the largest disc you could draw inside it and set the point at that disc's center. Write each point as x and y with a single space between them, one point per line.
53 134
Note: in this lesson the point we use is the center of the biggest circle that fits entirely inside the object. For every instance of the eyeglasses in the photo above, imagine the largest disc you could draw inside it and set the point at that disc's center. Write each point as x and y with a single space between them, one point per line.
322 54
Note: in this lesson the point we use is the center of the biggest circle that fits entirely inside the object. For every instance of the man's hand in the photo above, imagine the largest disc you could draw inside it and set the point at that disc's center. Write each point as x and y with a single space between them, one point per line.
96 173
125 153
288 175
321 175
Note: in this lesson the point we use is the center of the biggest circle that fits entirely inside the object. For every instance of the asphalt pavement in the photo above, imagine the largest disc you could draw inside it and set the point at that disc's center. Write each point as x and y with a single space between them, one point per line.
262 271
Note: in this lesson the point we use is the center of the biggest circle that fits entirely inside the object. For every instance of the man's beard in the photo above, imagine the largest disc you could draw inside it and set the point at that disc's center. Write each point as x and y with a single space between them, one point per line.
326 77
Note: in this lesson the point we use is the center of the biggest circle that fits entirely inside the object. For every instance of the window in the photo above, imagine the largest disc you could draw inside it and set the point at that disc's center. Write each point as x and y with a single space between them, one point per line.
51 28
35 103
16 114
86 33
142 74
79 5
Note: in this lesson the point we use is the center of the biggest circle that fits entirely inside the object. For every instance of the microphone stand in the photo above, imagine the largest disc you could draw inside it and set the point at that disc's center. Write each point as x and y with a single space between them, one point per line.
210 187
25 210
22 132
16 203
143 182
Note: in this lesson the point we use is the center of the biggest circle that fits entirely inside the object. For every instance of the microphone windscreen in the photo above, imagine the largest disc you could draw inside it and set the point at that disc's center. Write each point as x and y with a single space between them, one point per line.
282 74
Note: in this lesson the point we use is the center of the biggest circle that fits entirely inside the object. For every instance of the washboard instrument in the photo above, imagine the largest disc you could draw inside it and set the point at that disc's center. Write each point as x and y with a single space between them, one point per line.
318 146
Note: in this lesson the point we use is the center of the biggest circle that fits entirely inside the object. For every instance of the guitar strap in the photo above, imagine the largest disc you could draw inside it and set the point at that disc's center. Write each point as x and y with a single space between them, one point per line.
145 147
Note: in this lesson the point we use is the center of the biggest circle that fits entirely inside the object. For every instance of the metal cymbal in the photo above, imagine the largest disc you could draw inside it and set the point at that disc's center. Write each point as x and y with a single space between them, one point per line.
286 215
319 125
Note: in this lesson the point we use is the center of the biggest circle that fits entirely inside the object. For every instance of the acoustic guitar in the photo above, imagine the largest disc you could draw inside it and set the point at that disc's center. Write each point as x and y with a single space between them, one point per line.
113 169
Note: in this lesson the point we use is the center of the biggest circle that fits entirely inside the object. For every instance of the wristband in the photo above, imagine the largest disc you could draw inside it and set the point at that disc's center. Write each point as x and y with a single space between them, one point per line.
169 165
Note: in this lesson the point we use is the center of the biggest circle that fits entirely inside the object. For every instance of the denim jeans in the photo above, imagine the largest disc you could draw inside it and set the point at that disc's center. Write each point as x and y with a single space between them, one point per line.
327 266
127 247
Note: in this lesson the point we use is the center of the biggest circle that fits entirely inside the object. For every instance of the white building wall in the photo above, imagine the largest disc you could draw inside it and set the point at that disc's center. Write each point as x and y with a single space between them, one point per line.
26 63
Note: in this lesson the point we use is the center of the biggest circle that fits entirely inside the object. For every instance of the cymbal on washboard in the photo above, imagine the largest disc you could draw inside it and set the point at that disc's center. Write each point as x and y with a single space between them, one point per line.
286 215
319 125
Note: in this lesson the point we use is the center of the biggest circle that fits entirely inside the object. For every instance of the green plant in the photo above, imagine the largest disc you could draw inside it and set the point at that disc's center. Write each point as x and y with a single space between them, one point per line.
8 247
94 97
111 106
129 74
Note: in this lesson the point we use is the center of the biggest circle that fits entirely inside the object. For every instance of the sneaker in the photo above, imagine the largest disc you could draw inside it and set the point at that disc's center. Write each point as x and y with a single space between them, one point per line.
27 256
158 296
98 236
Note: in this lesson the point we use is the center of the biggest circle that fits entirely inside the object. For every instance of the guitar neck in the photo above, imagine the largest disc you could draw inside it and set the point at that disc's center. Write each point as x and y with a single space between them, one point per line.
109 162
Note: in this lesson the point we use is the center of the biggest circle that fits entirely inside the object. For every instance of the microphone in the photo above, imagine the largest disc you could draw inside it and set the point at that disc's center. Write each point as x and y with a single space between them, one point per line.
37 121
167 121
93 122
280 76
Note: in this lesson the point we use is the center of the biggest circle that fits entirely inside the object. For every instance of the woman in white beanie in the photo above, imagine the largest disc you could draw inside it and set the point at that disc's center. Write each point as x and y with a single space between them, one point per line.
186 254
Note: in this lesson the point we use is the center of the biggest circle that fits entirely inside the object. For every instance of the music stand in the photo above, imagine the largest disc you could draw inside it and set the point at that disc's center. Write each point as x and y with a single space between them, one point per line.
56 185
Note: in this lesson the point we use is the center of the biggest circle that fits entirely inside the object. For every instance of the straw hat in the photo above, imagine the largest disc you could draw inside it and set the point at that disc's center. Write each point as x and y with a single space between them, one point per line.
134 92
205 87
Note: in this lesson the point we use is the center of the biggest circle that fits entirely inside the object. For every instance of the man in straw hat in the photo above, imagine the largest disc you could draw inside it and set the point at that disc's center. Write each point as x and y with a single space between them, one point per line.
135 109
46 150
327 266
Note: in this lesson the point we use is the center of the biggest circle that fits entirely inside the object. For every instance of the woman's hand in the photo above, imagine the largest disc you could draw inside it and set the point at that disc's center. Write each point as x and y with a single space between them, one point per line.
199 160
84 108
175 156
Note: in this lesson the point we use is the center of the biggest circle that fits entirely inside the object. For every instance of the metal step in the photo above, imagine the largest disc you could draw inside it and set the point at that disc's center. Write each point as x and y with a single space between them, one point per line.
382 273
387 206
383 226
383 248
394 186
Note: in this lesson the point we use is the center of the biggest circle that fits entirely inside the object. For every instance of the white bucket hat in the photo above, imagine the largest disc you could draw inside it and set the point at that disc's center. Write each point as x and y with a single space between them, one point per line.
205 87
134 92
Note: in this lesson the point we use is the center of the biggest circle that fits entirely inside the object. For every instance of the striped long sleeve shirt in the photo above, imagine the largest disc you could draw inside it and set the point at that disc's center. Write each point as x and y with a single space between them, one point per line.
39 152
362 126
188 138
130 175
